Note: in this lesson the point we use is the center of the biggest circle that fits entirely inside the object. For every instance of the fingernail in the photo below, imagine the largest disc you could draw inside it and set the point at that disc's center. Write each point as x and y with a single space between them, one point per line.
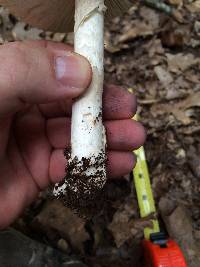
72 70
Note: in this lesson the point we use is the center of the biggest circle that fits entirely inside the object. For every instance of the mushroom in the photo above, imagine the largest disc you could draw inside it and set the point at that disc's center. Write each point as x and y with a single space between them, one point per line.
86 159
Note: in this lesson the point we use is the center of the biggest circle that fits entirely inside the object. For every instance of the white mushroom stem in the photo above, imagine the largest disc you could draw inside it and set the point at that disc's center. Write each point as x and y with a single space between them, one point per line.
86 160
88 134
87 138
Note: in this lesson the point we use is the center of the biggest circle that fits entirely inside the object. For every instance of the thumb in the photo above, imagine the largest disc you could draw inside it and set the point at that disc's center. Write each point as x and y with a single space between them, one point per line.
40 72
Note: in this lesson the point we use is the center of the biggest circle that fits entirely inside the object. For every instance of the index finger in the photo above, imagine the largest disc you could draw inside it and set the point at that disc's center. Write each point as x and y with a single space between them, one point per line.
118 104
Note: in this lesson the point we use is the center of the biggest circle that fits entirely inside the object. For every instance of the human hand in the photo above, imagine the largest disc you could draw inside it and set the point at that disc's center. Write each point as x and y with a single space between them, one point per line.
38 81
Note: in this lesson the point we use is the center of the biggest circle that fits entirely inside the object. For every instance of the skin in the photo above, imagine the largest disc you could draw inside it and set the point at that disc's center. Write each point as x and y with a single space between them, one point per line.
38 81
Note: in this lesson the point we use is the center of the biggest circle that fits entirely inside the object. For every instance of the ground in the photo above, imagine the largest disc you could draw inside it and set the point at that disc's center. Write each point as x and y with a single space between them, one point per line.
156 55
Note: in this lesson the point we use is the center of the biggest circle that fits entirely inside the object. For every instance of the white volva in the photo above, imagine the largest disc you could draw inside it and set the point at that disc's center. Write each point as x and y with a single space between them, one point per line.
88 134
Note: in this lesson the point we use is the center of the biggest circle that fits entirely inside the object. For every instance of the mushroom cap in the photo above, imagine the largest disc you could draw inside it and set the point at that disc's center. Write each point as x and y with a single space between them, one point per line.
56 15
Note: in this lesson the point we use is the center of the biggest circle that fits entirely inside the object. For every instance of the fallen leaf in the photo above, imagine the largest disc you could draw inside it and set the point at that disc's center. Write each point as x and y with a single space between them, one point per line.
194 160
124 226
197 27
151 17
163 75
179 110
177 15
172 38
191 101
179 226
176 2
194 7
57 218
141 29
181 62
108 44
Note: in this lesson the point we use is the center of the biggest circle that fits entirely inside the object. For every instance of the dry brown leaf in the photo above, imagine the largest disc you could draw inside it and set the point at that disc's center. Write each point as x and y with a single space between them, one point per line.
108 44
197 27
179 226
150 16
163 75
176 2
179 109
177 15
180 62
194 7
124 227
55 217
194 160
192 77
173 38
192 101
141 29
111 48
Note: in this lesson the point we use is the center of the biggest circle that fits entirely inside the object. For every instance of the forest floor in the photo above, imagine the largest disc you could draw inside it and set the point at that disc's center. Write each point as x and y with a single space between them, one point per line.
158 56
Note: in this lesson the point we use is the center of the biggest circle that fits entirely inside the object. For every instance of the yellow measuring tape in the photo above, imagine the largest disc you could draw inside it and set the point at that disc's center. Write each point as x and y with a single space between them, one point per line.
143 189
144 192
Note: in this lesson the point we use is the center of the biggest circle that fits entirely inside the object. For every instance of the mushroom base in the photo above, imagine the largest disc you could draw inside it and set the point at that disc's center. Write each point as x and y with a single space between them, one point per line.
81 191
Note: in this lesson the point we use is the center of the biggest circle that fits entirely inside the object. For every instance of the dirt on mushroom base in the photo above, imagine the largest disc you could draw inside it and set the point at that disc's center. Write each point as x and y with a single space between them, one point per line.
83 193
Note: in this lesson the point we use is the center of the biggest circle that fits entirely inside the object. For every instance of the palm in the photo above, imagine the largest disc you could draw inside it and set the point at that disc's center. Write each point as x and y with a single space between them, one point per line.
24 161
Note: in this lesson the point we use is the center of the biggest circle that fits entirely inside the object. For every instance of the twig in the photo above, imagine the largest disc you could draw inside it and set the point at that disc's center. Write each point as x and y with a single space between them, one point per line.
157 4
161 6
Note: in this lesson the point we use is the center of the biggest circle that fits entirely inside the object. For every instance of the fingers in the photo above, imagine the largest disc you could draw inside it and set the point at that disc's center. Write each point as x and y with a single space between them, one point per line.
122 135
57 109
29 131
57 166
40 72
118 104
118 164
59 132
